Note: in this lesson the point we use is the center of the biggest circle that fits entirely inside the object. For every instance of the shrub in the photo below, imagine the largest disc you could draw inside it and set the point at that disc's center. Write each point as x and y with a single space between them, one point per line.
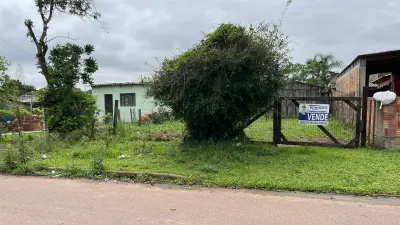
225 82
107 118
38 112
9 158
6 112
161 116
21 112
96 165
75 111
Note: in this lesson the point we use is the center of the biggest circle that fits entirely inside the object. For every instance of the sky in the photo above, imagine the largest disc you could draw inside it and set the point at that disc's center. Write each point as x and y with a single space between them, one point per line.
142 33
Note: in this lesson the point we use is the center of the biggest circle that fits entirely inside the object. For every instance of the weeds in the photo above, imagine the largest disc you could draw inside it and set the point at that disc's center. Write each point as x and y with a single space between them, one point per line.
229 164
9 159
96 165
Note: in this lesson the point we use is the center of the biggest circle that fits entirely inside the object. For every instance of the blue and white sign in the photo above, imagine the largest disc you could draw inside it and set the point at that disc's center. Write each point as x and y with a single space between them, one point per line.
313 114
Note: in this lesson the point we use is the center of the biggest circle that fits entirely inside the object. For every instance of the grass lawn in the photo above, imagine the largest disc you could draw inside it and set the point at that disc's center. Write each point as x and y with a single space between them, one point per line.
262 130
157 148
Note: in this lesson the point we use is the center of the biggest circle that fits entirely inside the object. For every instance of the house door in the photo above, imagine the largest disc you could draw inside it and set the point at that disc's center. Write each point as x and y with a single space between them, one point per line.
108 103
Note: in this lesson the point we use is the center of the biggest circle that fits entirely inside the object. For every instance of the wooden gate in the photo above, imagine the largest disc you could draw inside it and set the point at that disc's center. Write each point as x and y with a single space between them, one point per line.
337 133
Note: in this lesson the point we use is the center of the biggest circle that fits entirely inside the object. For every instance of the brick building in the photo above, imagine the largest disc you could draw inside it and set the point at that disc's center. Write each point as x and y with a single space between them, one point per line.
371 73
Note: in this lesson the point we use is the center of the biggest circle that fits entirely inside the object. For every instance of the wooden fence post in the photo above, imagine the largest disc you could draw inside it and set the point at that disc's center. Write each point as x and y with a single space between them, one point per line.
131 115
358 123
115 117
364 117
140 117
277 122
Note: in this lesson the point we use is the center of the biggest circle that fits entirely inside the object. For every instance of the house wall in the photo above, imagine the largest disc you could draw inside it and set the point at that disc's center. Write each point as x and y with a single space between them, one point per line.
143 103
347 85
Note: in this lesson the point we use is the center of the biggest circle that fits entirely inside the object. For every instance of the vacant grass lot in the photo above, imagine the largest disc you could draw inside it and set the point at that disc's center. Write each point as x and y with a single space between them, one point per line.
262 130
157 148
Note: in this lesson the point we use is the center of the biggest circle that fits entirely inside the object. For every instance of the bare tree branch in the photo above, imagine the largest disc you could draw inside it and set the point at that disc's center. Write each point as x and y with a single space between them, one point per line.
66 37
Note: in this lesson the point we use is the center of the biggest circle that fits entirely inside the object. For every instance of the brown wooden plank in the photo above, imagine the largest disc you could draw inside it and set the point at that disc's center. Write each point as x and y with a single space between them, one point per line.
329 135
295 102
325 98
364 115
283 137
358 124
348 102
353 143
276 122
299 143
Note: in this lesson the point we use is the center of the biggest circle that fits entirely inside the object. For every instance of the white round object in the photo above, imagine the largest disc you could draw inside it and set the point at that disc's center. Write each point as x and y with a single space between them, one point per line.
385 97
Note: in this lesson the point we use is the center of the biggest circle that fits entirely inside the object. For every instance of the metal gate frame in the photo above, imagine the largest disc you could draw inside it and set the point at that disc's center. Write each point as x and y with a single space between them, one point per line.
279 137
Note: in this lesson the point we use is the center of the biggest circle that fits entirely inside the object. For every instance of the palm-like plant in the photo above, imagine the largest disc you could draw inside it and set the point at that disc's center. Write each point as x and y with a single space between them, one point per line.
319 69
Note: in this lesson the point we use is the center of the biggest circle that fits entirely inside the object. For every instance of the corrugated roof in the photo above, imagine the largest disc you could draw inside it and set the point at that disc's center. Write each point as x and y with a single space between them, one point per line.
118 84
369 55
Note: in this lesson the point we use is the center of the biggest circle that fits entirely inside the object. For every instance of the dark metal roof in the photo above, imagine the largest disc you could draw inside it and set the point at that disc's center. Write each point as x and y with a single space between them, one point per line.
384 53
118 84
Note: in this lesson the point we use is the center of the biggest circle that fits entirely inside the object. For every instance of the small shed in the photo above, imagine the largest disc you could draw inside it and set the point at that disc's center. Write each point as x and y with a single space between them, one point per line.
364 76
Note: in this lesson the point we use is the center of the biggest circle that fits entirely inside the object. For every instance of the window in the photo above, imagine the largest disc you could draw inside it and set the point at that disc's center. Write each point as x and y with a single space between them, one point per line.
128 99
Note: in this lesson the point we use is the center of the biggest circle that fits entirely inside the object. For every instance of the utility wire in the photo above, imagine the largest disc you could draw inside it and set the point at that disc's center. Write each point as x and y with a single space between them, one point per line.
15 47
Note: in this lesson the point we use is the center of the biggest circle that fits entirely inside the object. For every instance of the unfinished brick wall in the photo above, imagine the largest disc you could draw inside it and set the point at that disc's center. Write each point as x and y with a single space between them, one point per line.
347 85
391 119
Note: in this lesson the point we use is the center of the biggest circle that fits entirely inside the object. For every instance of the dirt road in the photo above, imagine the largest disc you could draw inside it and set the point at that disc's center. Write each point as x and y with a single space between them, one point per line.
39 201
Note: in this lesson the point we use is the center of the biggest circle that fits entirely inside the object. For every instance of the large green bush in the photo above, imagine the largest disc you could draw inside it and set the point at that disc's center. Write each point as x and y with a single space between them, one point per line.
223 83
76 111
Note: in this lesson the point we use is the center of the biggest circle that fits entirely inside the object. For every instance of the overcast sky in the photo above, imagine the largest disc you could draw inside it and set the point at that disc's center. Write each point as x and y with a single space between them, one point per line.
141 33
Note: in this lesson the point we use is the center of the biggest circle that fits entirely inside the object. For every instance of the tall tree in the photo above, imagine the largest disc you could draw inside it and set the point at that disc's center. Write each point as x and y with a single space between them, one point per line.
295 72
23 89
319 69
68 107
47 9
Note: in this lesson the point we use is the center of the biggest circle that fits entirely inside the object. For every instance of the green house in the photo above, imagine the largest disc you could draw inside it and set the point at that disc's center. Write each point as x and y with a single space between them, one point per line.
131 98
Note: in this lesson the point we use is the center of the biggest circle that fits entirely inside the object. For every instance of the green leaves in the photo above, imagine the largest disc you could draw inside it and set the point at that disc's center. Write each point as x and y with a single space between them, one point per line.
70 63
69 108
8 87
317 70
224 81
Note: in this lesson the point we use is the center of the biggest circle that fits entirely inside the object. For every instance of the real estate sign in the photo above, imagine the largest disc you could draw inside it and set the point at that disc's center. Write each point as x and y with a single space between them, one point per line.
313 114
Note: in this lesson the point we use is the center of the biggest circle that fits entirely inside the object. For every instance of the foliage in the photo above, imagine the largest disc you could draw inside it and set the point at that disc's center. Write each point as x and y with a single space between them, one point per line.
8 89
316 70
320 69
23 89
74 112
38 112
65 67
16 154
228 164
67 107
9 159
161 116
296 72
107 118
96 165
20 112
222 84
70 63
47 10
6 112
